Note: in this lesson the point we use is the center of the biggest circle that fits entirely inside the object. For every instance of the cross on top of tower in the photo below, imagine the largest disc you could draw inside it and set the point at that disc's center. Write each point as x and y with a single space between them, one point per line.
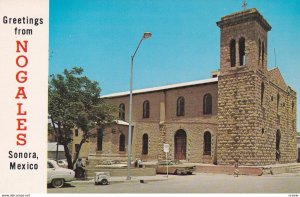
244 5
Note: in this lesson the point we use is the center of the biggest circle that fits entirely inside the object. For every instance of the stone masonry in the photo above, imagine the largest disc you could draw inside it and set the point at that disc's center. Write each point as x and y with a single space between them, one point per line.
253 116
254 103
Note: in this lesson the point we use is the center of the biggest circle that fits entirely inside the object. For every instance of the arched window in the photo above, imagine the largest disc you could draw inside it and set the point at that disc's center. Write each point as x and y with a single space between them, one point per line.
180 106
122 111
262 92
232 53
146 109
145 144
259 50
99 139
207 104
262 53
207 143
242 51
122 142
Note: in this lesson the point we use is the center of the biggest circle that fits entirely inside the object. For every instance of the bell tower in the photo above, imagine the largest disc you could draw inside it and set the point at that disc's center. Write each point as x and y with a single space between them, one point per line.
243 67
244 41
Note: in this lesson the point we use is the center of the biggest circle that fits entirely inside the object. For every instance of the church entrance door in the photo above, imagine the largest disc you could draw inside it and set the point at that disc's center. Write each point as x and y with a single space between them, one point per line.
180 145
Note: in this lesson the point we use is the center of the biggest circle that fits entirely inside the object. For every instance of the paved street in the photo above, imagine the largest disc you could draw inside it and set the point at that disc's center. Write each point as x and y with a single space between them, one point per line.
199 183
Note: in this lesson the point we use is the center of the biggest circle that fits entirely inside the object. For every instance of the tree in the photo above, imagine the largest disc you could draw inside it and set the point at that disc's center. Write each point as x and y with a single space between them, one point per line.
74 102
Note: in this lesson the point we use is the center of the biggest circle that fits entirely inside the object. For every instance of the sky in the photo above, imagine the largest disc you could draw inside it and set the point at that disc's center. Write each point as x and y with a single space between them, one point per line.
101 35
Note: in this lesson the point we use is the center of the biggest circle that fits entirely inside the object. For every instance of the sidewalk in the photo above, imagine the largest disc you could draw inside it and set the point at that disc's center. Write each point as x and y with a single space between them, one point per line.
119 179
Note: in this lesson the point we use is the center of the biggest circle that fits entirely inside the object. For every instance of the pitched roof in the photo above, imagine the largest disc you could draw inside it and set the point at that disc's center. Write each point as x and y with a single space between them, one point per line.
159 88
277 78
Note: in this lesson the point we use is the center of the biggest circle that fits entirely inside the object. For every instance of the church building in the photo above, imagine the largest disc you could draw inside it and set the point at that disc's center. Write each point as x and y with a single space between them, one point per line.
245 112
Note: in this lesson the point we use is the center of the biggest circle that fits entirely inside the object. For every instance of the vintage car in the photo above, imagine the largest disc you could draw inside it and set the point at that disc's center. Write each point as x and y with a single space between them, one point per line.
111 164
57 176
62 163
174 167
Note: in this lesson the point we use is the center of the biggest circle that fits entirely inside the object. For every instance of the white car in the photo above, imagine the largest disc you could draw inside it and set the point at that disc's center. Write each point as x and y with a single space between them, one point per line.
62 163
57 176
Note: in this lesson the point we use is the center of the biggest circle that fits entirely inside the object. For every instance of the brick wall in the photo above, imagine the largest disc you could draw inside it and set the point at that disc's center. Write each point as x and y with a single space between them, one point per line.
163 122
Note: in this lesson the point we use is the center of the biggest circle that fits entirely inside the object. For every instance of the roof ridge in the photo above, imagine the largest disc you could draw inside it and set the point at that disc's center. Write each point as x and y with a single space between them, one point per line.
164 87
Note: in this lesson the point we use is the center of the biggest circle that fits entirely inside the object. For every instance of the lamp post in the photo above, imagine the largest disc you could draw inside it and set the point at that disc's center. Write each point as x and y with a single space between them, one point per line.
145 36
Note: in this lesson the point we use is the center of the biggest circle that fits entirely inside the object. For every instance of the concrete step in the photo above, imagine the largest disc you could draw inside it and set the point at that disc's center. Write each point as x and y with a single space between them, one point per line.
218 169
250 170
285 168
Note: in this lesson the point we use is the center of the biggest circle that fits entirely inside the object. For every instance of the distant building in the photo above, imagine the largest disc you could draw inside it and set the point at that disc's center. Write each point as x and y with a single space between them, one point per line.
52 149
244 113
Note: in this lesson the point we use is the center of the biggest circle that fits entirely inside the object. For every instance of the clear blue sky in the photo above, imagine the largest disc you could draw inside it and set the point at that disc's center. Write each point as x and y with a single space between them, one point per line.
101 35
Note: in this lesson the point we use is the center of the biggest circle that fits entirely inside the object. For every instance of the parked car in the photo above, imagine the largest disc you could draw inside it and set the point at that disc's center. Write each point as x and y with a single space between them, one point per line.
112 164
57 176
62 163
174 167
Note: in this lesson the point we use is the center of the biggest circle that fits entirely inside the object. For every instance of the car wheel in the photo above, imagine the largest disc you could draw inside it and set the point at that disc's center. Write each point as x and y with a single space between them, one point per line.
58 183
104 182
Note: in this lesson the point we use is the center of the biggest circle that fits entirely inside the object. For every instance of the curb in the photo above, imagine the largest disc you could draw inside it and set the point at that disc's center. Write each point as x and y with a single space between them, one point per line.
88 182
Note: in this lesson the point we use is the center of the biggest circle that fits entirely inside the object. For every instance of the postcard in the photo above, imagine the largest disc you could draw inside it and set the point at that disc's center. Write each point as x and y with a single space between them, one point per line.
149 97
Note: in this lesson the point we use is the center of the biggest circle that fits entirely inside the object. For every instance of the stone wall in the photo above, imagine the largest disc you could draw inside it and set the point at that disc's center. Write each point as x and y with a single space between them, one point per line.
236 118
154 140
248 122
110 144
195 140
85 148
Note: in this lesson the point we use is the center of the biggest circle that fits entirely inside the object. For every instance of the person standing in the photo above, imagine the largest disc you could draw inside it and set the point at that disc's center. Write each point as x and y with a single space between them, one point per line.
236 170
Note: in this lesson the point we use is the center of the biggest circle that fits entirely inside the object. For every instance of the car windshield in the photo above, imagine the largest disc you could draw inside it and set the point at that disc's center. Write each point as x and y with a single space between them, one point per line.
165 162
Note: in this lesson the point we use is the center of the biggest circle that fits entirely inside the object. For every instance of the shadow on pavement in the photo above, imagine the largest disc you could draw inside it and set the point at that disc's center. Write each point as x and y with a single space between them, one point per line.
66 185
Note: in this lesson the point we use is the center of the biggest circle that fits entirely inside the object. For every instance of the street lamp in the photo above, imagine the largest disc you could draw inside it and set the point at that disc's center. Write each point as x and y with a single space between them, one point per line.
145 36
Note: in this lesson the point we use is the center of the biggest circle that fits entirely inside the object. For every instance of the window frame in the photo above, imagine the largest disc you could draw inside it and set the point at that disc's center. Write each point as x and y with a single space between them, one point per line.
145 144
242 51
122 143
232 52
100 135
122 111
146 109
207 109
207 144
180 106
